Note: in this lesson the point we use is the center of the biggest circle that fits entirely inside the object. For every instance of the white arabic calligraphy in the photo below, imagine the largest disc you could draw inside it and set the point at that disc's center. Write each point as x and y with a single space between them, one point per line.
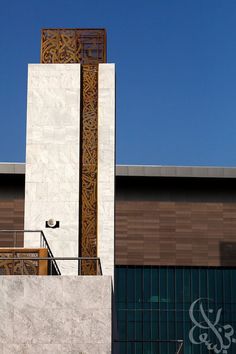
222 334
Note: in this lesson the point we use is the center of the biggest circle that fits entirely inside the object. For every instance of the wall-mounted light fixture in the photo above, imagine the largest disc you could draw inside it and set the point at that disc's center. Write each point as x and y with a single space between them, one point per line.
52 224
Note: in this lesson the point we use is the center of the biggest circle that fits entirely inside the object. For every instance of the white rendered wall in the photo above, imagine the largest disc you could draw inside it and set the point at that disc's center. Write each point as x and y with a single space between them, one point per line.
106 166
52 157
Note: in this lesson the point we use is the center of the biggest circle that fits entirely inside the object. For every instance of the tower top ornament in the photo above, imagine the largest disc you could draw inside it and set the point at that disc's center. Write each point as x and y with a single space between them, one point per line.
73 45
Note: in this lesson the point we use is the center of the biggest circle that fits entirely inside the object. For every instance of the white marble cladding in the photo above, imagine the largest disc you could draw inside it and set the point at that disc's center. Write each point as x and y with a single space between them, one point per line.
66 314
52 157
106 166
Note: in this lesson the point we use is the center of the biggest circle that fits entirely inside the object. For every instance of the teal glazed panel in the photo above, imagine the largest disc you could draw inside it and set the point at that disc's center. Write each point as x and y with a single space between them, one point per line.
157 307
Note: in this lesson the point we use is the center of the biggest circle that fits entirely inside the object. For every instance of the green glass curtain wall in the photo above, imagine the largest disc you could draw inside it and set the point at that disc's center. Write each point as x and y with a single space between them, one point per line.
158 304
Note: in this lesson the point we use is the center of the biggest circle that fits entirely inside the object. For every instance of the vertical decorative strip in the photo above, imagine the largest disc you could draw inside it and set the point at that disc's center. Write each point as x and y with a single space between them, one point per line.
88 47
89 147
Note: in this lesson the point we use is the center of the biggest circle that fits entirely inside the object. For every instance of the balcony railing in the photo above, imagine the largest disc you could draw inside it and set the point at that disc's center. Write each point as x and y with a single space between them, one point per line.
20 265
17 260
15 238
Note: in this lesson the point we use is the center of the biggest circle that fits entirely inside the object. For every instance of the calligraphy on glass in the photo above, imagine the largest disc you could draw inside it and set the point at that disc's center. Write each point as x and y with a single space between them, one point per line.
207 328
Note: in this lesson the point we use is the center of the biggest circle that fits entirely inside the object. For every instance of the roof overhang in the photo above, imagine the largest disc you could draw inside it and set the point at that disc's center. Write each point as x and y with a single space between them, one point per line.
146 171
175 171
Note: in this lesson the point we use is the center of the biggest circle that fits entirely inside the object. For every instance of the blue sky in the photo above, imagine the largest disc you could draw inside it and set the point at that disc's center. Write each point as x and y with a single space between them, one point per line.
176 74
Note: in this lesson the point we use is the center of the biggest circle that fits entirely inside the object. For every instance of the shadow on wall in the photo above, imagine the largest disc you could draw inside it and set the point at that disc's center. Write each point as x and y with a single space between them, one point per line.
115 336
228 253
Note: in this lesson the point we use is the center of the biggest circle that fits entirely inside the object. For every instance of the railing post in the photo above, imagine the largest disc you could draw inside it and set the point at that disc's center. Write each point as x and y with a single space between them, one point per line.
22 267
14 239
41 241
80 267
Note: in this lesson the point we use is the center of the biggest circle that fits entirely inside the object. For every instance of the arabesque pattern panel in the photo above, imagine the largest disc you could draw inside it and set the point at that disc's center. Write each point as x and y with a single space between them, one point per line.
85 46
89 142
23 267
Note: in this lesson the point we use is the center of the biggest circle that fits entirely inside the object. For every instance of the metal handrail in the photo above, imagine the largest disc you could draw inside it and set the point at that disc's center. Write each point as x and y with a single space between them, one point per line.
150 340
44 244
180 347
14 232
79 259
50 258
177 341
50 252
20 230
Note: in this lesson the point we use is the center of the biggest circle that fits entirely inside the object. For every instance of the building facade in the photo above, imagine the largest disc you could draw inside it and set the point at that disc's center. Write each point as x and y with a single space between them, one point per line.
175 259
174 256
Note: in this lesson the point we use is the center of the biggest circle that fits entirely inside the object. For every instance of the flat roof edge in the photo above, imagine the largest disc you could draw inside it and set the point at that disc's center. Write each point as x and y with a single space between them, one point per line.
175 171
146 171
12 168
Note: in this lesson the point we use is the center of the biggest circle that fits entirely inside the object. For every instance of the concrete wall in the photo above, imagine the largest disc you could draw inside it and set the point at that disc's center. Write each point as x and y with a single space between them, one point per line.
106 166
52 157
66 314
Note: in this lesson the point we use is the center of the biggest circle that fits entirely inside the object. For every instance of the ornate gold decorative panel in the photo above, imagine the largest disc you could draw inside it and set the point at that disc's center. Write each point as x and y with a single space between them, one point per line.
89 141
23 267
85 46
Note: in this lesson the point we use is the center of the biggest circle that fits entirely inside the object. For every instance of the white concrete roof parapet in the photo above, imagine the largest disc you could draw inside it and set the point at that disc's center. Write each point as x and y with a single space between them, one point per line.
175 171
17 168
146 170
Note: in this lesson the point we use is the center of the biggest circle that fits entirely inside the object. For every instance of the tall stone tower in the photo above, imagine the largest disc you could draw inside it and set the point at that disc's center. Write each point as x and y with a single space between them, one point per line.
70 149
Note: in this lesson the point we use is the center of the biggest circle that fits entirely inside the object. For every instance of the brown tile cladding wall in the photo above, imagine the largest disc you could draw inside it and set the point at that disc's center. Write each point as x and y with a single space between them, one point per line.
159 221
11 209
175 222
